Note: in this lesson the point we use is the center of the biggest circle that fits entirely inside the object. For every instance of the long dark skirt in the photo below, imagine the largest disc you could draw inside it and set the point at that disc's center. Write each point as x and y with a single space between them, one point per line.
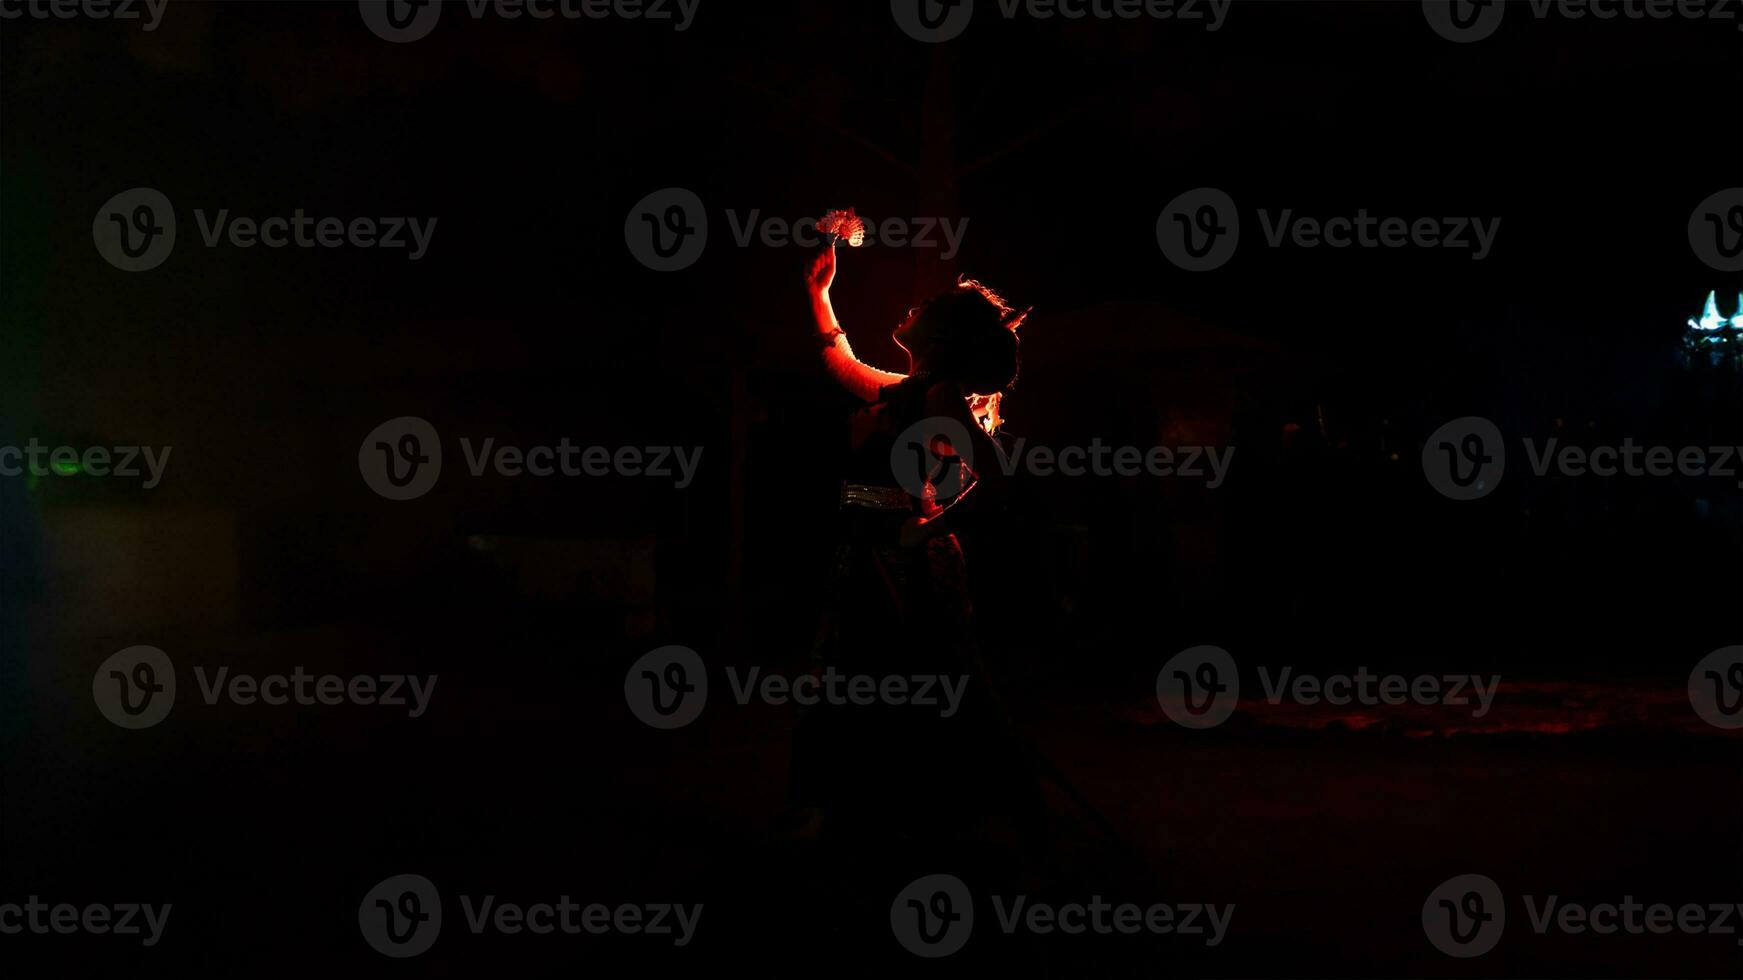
902 616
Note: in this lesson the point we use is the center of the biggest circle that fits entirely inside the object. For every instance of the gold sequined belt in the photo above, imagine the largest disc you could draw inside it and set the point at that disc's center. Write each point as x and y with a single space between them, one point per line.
876 498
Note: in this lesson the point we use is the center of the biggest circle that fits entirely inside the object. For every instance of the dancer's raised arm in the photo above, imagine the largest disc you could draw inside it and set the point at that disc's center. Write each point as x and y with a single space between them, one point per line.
860 378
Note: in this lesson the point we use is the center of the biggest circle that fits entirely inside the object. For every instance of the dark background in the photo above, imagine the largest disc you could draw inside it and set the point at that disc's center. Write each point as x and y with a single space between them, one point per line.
530 321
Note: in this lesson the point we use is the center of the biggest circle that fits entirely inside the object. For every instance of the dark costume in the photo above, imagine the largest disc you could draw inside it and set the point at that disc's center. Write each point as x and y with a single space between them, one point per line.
899 614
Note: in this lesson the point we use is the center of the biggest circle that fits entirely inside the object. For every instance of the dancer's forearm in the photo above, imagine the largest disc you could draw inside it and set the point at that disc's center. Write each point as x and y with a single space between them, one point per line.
857 377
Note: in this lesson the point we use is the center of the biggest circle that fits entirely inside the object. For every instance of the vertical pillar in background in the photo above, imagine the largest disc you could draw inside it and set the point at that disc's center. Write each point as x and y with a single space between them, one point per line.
939 198
737 499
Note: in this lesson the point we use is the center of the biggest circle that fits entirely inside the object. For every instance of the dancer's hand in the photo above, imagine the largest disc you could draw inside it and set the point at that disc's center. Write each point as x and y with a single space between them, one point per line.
914 533
822 271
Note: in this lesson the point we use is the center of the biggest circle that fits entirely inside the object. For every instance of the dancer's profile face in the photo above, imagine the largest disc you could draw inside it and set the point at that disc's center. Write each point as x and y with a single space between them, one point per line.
912 334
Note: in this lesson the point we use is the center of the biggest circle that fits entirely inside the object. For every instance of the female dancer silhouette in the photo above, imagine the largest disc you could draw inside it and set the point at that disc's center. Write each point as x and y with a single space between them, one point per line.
899 606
